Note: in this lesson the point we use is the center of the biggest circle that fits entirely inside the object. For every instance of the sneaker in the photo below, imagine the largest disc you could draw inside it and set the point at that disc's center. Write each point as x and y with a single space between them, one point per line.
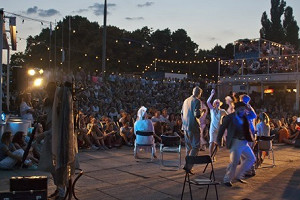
228 184
95 147
241 181
34 167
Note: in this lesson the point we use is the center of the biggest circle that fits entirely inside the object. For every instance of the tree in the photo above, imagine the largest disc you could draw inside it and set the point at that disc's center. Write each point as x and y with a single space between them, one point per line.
291 28
265 31
18 59
275 30
277 10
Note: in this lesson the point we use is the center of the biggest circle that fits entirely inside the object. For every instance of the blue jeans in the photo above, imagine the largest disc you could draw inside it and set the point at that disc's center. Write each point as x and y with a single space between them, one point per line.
239 148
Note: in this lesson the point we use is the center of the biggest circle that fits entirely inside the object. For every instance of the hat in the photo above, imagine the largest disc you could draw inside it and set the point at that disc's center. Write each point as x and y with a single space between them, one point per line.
141 112
239 104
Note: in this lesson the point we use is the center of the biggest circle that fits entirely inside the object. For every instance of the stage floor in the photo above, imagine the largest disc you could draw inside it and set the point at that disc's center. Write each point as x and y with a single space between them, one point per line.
115 174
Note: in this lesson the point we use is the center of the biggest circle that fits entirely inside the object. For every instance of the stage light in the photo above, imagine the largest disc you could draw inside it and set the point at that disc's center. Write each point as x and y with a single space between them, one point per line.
31 72
41 71
38 82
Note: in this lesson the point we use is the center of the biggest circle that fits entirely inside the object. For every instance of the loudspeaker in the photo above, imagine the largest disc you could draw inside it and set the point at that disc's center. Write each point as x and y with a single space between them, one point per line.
27 183
20 77
24 195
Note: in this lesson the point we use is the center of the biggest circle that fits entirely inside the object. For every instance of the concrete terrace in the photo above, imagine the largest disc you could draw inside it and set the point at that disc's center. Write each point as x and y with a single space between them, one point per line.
116 175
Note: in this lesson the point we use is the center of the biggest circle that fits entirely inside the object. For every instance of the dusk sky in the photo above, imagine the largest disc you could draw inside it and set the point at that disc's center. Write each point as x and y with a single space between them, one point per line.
207 22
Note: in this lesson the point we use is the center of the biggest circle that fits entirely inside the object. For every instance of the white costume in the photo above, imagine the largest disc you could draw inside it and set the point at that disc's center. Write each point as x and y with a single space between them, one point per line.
143 129
216 116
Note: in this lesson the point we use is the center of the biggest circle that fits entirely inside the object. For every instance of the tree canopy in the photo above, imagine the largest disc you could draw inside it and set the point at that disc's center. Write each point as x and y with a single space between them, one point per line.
277 31
127 51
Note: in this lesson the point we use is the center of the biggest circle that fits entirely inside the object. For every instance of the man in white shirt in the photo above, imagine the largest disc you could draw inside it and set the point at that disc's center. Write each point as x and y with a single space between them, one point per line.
25 110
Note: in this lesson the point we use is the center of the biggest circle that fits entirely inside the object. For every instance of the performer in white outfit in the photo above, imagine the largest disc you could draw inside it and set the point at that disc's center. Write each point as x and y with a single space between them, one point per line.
144 130
216 115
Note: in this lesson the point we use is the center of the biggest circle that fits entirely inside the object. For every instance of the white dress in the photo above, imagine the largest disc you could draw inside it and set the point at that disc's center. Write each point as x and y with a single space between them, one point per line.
216 116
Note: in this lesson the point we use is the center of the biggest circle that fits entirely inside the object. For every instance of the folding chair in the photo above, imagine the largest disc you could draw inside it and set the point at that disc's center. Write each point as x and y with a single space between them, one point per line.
147 143
170 144
264 143
192 160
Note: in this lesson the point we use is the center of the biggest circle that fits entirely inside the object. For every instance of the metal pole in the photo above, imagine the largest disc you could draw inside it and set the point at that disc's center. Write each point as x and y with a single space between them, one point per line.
1 49
297 95
54 71
69 63
262 91
297 61
259 48
219 74
7 80
50 49
104 40
62 45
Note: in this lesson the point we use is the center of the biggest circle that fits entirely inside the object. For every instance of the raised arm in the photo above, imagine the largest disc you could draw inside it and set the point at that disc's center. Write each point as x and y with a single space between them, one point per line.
251 113
209 99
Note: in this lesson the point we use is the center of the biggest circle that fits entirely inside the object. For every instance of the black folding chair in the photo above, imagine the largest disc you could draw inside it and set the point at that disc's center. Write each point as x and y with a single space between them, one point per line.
264 143
208 181
146 145
170 144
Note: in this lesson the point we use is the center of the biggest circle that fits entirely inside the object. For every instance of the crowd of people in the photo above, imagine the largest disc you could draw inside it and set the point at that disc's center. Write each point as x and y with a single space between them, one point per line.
107 110
280 64
125 111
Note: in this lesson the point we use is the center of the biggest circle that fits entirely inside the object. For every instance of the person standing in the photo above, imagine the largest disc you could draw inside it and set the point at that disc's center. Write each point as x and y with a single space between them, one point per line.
203 126
216 116
230 109
238 136
26 109
190 113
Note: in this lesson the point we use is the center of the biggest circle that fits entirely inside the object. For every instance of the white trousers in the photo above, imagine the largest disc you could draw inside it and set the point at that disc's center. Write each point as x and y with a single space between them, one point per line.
239 148
8 162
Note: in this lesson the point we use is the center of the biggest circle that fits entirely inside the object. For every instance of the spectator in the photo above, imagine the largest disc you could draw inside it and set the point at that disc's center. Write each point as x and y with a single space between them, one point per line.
96 134
126 133
19 143
9 155
26 110
156 117
263 129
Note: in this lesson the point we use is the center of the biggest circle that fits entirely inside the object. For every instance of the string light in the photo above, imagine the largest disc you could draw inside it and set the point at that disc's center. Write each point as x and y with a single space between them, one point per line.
186 62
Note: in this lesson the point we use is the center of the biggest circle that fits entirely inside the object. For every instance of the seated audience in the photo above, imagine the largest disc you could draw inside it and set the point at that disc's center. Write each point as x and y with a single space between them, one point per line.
19 143
9 155
126 133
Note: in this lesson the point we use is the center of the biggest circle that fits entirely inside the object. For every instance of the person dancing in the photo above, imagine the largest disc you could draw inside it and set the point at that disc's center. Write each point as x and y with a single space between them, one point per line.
216 115
238 136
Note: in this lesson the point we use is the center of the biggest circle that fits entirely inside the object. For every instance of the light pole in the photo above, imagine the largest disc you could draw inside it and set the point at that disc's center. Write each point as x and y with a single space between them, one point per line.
104 39
1 49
